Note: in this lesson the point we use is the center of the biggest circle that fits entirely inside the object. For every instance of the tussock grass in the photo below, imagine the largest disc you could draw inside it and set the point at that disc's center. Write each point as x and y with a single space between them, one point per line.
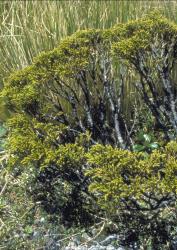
28 27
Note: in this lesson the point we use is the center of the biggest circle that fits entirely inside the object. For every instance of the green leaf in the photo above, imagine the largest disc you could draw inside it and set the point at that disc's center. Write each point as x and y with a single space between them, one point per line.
138 148
154 145
147 138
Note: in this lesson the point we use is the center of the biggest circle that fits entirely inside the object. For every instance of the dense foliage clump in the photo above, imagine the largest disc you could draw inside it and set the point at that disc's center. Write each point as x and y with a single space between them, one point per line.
137 191
71 126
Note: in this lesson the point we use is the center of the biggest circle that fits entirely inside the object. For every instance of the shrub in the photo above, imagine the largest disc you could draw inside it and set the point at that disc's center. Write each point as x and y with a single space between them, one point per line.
137 191
149 46
72 98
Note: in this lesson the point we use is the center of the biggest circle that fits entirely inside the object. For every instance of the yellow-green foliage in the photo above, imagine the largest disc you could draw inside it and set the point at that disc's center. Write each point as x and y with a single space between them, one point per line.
31 141
22 87
116 173
32 85
34 139
71 55
75 54
28 91
119 175
47 125
139 35
36 143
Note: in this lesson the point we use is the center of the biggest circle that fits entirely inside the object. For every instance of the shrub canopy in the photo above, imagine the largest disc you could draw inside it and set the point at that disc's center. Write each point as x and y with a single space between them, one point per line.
69 117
